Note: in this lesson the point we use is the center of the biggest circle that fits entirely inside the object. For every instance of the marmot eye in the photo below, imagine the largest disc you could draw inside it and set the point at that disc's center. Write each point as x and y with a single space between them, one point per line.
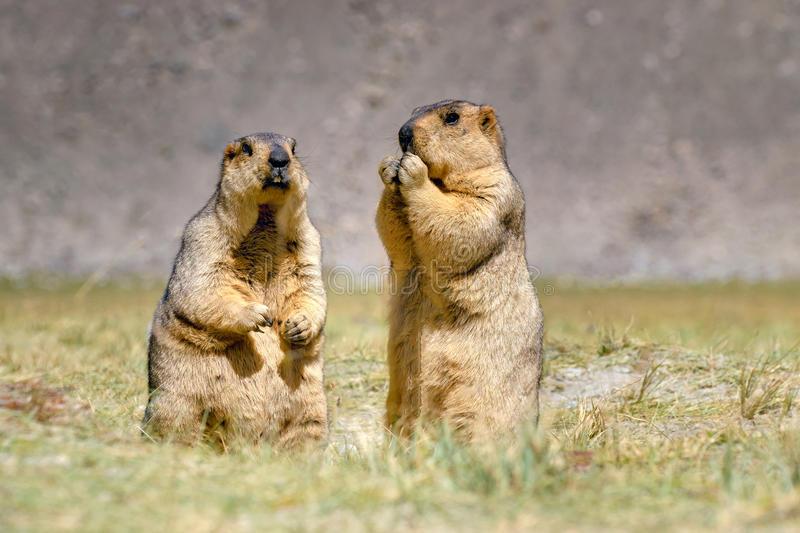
247 149
451 118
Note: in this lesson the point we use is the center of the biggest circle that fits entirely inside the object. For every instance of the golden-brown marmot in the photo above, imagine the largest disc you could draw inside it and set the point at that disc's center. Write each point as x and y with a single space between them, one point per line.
465 331
234 351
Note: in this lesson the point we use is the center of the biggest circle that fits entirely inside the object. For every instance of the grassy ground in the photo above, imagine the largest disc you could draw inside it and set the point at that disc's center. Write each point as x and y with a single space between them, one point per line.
664 406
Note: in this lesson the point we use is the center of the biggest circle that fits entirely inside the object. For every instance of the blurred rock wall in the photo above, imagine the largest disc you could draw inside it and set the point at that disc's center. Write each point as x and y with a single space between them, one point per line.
653 138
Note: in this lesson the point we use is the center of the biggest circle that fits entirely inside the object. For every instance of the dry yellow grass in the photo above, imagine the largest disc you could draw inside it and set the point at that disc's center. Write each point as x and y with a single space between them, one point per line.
664 406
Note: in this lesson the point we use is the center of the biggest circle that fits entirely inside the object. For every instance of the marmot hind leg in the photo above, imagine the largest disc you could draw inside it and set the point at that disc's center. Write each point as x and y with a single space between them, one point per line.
174 417
403 399
307 424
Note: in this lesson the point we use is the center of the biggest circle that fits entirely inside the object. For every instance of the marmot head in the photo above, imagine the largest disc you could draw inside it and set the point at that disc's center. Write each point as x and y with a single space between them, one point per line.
264 165
454 136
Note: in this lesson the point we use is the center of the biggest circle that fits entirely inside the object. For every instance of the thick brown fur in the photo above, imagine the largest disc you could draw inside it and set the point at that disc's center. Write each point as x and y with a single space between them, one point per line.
234 351
465 338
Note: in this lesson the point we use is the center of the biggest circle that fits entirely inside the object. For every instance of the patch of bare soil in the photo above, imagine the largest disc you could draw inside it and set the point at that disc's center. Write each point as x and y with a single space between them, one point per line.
358 430
656 369
566 387
47 404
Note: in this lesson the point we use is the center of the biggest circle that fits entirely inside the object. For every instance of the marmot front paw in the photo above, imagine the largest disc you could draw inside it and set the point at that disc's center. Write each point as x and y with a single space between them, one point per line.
255 317
412 170
387 170
297 329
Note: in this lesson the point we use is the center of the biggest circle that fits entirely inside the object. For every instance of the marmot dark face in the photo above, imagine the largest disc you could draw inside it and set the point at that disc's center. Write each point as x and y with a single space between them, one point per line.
263 164
454 136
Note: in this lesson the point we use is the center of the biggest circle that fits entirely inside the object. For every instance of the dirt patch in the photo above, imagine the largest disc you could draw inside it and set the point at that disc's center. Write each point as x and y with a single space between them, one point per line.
567 386
358 430
45 403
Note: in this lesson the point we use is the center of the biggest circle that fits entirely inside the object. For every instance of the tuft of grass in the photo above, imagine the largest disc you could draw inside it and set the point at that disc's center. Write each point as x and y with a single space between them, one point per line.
610 341
588 427
760 386
650 380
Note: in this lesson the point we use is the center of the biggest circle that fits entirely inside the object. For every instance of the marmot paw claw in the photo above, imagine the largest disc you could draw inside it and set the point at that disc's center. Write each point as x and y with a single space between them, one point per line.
297 329
255 317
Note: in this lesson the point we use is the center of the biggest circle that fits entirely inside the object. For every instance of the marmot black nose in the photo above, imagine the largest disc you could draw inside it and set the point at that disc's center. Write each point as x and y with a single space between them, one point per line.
278 158
406 136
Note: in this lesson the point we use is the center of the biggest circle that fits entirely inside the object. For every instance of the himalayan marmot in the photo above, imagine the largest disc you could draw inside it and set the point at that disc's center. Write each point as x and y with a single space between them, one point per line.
234 350
465 327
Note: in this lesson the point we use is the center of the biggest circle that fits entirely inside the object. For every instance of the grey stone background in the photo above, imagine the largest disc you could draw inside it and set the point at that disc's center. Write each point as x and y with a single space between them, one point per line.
653 138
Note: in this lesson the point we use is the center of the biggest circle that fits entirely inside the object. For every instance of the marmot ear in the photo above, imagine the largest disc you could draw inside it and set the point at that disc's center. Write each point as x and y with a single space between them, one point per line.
230 151
487 118
490 126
